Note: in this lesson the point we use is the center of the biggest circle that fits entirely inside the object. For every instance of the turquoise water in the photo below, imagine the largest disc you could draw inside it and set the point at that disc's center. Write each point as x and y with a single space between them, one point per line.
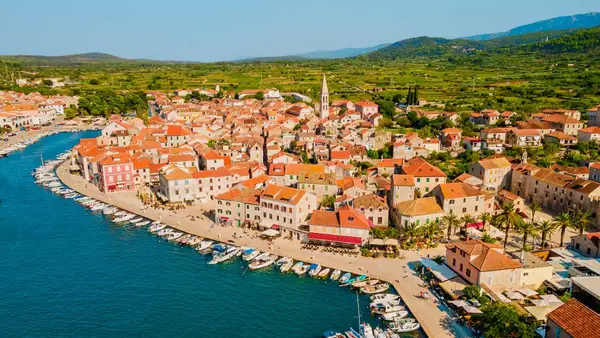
67 272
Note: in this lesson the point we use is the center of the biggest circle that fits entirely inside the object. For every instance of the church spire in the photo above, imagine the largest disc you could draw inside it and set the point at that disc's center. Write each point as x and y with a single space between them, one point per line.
324 99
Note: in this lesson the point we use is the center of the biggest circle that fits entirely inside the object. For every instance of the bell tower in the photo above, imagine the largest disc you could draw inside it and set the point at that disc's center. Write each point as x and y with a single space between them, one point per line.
324 99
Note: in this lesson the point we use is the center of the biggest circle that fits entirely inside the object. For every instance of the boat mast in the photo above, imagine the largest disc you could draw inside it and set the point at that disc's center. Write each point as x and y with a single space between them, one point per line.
42 158
358 310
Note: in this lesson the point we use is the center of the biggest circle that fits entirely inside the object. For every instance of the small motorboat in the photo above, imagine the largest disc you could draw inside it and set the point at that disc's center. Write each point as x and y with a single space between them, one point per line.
205 247
184 239
386 308
379 333
345 278
287 265
297 266
384 297
373 289
353 334
324 273
392 302
332 334
335 275
194 240
250 254
125 218
404 325
120 213
164 232
142 223
174 235
314 270
110 211
224 256
136 220
392 316
262 263
98 207
156 227
262 256
366 330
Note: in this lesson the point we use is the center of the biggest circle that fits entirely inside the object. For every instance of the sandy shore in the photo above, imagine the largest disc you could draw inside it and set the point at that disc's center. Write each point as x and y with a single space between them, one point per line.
435 322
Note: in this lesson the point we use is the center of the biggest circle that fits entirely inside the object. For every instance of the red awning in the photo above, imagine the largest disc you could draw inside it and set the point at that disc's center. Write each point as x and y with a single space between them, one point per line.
225 218
335 238
477 225
275 226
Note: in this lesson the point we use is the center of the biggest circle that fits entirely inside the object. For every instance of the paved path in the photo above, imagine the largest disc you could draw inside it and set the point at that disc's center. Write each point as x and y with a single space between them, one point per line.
433 320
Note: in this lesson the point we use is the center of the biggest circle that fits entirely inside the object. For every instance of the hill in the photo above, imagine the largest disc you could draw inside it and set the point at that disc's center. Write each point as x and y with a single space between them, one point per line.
341 53
578 21
64 59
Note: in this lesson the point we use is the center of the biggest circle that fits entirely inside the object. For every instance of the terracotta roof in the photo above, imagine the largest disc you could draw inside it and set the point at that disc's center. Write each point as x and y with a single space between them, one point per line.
494 163
419 207
508 195
340 154
487 257
316 178
403 180
283 194
370 201
591 130
560 135
562 119
245 196
418 167
578 320
459 190
526 132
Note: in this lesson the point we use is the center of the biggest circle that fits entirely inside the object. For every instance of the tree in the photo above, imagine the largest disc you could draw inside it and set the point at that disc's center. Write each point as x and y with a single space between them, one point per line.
508 219
259 96
487 238
432 230
409 96
450 221
527 229
416 95
472 292
502 320
328 201
411 231
534 207
71 112
47 82
466 220
94 82
546 228
293 145
581 221
387 108
563 221
485 217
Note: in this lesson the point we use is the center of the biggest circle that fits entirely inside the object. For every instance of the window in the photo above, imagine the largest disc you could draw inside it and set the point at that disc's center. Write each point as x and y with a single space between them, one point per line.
461 267
451 202
418 180
379 220
453 261
468 272
427 180
464 210
589 251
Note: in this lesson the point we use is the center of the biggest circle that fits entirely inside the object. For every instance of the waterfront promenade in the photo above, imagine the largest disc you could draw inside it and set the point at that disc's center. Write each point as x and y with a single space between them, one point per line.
434 321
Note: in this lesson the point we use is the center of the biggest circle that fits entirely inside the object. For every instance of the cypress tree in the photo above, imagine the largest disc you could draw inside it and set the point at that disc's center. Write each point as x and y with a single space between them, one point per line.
416 95
408 97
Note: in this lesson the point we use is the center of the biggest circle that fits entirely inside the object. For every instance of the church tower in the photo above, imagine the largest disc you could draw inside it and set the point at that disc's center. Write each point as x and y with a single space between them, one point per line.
324 99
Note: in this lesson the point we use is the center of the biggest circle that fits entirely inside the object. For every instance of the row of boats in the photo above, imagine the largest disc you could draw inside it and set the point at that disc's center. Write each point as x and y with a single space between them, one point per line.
387 306
23 144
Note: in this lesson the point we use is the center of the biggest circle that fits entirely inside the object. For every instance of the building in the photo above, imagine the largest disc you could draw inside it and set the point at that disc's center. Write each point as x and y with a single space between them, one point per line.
450 137
366 108
319 184
374 208
115 174
589 134
572 320
564 123
426 175
493 172
238 207
587 244
461 199
324 108
419 211
484 263
286 207
176 184
524 137
560 138
346 226
402 189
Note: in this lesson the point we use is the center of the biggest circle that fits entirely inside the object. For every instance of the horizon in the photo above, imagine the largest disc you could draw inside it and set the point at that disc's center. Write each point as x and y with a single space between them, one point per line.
196 32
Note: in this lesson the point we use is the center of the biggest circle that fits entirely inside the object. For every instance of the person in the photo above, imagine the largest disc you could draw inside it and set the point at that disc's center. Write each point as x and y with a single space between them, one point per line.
421 294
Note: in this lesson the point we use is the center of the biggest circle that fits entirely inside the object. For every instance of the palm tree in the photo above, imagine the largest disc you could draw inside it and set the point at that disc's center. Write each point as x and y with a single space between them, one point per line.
487 238
563 221
527 229
581 221
412 230
432 229
508 219
466 220
546 228
485 217
534 207
450 221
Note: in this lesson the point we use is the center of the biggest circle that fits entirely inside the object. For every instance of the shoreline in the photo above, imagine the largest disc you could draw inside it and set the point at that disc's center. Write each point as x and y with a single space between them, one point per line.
393 271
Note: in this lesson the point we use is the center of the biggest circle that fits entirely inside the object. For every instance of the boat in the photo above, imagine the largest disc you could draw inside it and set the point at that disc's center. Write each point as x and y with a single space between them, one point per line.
287 265
352 334
224 256
393 315
385 297
194 240
262 263
332 334
297 266
99 207
141 224
120 213
324 273
302 270
373 289
359 283
136 220
314 270
110 211
204 246
156 227
345 278
124 218
404 325
392 302
164 232
335 275
262 256
174 235
250 254
366 330
386 308
184 239
379 333
390 334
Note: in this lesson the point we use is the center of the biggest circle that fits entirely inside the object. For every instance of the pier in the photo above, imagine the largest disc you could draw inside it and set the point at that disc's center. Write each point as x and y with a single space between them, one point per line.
434 321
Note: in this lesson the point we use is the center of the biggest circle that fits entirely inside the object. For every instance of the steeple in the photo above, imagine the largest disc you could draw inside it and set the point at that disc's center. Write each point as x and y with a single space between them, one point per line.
324 99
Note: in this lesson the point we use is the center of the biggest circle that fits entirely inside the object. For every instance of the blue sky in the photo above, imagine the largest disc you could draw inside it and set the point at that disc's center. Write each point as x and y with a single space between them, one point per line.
200 30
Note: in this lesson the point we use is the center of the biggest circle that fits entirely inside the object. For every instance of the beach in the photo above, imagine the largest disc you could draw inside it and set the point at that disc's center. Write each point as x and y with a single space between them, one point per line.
434 321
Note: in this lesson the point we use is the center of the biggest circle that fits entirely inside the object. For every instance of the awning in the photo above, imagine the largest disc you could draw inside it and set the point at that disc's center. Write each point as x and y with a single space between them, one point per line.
335 238
515 295
270 233
454 286
275 226
476 225
540 312
471 309
527 292
458 303
440 271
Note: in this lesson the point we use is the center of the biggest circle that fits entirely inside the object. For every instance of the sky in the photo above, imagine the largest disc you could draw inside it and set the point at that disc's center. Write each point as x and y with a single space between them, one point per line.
201 30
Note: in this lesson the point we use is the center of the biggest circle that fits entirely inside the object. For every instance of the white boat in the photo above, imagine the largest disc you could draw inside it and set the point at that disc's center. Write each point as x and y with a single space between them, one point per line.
335 275
379 333
262 263
373 289
184 239
262 256
324 273
404 325
385 308
120 213
156 227
384 297
110 210
391 334
314 270
136 220
302 270
99 207
297 267
124 218
141 224
393 315
392 302
345 278
164 232
195 240
250 254
225 256
71 195
286 265
204 246
174 235
366 330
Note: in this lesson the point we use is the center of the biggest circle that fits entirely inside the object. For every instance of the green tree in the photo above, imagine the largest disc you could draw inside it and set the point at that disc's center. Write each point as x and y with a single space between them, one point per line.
546 228
508 219
71 112
527 229
416 95
387 108
485 217
259 96
502 320
581 221
328 201
432 230
466 220
565 297
409 96
450 221
534 207
487 238
47 82
472 292
411 231
94 82
563 221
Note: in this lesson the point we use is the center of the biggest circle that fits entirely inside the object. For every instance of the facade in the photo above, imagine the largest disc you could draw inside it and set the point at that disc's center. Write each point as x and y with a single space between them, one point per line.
524 137
461 199
238 207
493 172
285 206
589 134
115 174
587 244
319 184
402 189
346 226
572 320
374 208
426 175
419 211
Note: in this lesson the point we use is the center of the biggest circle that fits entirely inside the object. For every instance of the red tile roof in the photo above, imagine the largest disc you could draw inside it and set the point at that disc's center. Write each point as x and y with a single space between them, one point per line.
576 319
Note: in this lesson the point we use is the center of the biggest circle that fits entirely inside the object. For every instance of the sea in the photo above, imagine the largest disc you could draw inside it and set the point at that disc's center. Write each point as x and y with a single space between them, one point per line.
66 272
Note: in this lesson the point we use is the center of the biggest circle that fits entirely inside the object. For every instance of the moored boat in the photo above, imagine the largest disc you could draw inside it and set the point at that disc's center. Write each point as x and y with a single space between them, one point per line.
156 227
142 224
335 275
250 254
262 263
391 316
174 235
345 278
373 289
324 273
314 270
384 297
386 308
194 240
286 264
204 246
124 218
404 325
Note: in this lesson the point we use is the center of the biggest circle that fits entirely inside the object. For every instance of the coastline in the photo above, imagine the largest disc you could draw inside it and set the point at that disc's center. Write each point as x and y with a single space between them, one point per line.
434 321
